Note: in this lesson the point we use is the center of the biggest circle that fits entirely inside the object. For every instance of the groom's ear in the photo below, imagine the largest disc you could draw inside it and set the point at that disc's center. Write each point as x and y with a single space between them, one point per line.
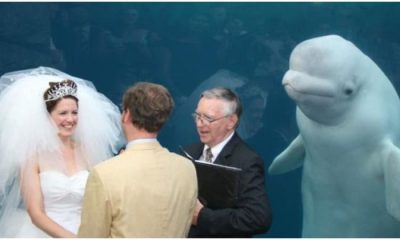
126 116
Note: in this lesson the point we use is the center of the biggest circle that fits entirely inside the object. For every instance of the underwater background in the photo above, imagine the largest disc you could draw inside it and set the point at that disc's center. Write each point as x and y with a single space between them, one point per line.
189 47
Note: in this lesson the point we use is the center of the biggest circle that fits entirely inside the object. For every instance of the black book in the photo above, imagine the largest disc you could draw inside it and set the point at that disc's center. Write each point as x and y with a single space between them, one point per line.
218 184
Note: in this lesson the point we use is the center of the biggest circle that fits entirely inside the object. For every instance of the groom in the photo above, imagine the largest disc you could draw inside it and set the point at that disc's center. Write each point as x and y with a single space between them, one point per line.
146 191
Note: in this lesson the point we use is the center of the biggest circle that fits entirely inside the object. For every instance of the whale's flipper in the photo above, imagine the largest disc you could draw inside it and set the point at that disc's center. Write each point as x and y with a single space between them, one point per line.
291 158
391 169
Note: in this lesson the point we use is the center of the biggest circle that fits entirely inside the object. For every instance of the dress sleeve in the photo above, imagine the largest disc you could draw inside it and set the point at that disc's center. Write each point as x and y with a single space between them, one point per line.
96 211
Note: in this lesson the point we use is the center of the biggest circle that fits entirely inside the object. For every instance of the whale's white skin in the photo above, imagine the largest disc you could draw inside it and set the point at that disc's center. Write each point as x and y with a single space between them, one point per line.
348 115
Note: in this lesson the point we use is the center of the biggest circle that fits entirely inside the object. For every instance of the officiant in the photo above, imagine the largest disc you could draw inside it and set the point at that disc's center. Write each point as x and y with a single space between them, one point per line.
216 118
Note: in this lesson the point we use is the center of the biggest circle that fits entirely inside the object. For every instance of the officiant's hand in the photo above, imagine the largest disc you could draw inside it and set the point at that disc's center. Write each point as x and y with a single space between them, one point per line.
197 210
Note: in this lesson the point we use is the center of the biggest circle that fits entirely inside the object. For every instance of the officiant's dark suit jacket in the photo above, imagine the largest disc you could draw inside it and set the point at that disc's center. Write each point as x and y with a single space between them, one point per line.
252 214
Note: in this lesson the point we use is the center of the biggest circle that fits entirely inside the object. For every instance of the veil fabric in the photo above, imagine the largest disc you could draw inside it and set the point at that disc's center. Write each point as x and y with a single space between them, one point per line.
27 133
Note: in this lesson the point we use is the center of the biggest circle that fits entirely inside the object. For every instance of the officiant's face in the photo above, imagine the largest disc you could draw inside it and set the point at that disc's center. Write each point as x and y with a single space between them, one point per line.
213 122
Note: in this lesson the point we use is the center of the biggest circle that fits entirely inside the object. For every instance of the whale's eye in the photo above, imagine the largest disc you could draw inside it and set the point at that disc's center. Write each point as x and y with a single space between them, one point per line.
348 91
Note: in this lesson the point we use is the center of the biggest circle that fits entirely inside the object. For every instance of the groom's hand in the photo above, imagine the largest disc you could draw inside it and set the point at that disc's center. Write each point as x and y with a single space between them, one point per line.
196 213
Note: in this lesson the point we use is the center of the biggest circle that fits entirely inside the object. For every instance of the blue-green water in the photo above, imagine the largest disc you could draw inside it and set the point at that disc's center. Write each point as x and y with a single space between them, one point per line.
189 47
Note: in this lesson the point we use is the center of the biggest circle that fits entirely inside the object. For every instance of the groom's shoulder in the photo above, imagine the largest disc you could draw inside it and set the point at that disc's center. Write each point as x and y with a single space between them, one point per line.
107 164
108 170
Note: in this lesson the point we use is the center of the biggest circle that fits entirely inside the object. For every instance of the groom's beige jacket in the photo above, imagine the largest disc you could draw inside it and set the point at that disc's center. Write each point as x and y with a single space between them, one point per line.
146 191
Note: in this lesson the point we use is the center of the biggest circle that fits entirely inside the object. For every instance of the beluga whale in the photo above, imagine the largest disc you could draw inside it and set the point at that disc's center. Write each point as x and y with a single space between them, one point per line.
348 116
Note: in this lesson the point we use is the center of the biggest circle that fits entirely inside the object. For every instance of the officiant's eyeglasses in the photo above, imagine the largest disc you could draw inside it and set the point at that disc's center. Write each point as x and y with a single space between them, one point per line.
205 119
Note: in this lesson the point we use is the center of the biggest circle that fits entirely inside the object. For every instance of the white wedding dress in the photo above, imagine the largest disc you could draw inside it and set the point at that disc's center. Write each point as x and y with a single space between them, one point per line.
63 197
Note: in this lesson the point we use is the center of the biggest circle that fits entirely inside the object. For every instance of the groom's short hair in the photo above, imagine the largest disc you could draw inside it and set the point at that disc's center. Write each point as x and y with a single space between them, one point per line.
149 104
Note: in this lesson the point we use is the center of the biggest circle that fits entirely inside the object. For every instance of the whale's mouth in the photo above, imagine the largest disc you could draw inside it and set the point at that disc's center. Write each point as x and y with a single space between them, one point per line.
312 92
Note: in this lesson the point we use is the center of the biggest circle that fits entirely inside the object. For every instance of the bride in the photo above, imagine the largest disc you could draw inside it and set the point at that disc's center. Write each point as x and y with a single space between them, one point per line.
53 129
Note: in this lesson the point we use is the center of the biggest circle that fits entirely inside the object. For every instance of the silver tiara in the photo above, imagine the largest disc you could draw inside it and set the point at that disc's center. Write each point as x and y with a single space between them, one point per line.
61 89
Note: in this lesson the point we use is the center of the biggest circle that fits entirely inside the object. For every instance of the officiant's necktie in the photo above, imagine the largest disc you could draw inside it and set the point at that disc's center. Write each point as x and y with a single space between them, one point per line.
209 155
